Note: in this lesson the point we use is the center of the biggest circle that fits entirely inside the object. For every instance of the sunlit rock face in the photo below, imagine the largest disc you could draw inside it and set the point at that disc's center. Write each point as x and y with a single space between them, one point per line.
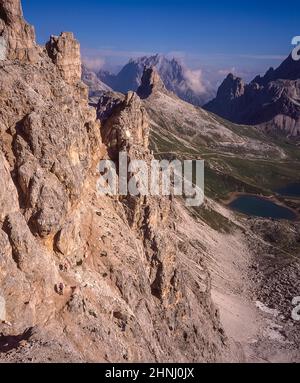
84 276
64 50
17 37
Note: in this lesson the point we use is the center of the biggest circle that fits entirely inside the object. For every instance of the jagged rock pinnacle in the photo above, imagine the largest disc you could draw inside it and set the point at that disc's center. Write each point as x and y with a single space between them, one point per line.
17 38
150 83
232 87
64 50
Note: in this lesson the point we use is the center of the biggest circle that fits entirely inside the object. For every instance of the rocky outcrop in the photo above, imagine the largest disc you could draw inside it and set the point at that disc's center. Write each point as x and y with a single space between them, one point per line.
64 51
231 88
107 104
127 128
150 83
17 38
49 137
271 101
50 165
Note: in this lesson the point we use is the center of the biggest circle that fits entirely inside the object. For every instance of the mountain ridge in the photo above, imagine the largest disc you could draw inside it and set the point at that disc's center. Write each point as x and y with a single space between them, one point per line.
272 101
95 85
176 78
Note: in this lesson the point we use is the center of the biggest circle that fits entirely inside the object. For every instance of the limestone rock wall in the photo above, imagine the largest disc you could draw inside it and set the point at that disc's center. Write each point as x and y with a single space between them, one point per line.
64 50
85 277
17 38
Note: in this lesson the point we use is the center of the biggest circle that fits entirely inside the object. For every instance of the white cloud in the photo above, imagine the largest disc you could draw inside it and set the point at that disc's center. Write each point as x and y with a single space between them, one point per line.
194 80
93 63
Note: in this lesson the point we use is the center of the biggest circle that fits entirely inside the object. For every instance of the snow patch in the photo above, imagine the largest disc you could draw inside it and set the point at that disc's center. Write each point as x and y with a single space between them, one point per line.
194 80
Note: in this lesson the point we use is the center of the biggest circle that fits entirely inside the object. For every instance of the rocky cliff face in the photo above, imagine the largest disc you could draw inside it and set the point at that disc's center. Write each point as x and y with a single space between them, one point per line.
150 83
64 51
271 101
17 38
49 137
85 277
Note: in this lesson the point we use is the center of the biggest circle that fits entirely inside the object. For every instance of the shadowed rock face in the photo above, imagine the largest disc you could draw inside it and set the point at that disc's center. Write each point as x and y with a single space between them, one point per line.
10 10
150 83
94 278
271 101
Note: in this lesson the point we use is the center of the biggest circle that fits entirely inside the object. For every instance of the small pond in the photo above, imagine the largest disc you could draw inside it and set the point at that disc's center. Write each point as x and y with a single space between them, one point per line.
261 207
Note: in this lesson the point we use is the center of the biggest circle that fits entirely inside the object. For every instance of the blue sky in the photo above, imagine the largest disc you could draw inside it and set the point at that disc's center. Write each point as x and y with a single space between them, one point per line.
242 36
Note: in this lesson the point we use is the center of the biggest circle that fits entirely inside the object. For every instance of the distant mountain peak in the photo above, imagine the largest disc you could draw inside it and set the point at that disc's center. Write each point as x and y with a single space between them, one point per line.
96 86
271 101
231 87
174 75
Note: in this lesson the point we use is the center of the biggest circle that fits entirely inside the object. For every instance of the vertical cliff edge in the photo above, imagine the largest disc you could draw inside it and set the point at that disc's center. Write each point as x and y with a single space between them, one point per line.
85 277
